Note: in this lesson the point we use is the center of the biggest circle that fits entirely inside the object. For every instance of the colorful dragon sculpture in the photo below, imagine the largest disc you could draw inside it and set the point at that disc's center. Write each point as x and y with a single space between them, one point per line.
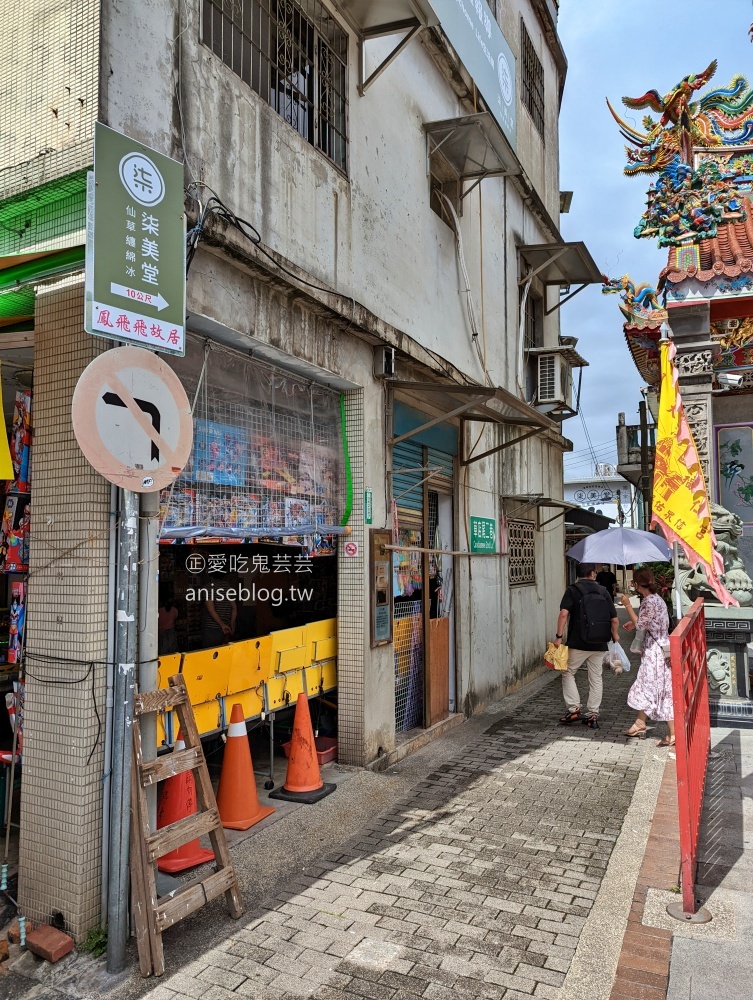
643 297
722 117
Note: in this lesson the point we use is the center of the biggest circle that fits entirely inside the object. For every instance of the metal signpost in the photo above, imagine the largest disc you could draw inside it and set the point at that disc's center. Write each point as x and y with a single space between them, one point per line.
483 534
132 420
135 245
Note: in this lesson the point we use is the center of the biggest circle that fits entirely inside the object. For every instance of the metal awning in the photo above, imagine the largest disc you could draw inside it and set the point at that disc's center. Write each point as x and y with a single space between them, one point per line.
478 403
570 355
560 264
527 501
387 17
473 147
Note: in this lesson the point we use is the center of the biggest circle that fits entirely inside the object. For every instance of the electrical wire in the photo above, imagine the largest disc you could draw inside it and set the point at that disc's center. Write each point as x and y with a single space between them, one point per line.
467 290
68 681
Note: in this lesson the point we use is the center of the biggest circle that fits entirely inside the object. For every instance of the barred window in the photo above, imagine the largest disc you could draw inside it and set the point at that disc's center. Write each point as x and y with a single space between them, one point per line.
521 538
531 80
294 56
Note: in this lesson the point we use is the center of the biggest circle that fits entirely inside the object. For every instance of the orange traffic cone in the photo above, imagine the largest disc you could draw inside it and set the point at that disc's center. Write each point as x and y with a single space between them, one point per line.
303 782
177 801
237 798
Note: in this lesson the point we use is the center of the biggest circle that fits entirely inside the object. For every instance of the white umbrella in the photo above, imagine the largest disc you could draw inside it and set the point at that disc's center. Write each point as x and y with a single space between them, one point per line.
621 547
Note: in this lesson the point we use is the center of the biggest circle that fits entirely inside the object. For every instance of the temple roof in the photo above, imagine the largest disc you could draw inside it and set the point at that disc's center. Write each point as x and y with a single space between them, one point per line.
728 254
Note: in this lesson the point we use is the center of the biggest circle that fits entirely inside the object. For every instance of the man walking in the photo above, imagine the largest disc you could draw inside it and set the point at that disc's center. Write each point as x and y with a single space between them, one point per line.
607 579
593 621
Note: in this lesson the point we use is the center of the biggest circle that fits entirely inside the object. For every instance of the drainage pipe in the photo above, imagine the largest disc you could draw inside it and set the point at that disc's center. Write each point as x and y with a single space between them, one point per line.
148 676
109 675
125 659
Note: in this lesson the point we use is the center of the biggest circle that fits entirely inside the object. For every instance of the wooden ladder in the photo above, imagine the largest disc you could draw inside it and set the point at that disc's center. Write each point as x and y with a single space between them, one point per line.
154 914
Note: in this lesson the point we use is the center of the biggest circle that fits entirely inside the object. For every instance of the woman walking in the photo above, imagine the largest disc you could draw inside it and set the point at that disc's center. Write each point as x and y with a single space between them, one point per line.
651 694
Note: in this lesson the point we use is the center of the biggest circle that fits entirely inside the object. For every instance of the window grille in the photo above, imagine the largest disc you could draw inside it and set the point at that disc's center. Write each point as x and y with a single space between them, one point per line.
522 548
532 81
294 56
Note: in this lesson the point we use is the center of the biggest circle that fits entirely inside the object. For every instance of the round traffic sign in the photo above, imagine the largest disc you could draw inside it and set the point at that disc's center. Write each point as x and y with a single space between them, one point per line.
132 419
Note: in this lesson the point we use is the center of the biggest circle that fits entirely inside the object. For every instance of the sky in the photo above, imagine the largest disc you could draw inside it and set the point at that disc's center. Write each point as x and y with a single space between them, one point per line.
615 49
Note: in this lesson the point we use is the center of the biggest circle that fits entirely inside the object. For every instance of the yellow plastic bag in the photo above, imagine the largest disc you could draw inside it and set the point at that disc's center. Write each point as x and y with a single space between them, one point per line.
556 657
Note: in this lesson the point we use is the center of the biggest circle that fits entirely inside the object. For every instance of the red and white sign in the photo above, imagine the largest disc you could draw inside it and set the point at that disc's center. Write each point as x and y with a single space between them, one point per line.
132 419
351 549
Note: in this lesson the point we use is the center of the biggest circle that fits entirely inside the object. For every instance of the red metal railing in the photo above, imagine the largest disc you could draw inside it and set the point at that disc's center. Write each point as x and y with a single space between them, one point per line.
690 693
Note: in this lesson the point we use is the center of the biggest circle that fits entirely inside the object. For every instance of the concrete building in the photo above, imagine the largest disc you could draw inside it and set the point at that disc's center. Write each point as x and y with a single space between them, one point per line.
603 492
372 196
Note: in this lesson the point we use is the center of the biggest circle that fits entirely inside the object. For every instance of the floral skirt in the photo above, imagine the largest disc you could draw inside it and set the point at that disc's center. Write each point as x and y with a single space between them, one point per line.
652 691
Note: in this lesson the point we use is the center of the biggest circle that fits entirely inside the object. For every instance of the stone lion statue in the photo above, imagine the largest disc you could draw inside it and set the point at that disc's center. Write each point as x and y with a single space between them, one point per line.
728 528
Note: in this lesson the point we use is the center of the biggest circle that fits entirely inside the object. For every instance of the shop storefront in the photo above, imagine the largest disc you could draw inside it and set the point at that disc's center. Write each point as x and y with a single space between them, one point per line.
424 641
248 541
15 457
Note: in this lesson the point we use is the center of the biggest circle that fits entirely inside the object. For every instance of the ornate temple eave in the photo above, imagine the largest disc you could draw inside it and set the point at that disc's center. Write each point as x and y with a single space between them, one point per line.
643 344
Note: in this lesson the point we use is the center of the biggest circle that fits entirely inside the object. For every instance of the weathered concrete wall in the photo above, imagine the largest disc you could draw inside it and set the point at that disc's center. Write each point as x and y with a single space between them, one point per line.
372 236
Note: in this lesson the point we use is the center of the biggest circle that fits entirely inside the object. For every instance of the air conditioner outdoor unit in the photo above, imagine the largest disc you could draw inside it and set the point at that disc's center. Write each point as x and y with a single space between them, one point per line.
555 381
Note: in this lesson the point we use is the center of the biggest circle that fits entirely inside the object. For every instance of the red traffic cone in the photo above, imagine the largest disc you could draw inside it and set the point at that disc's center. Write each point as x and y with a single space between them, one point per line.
177 801
237 798
303 782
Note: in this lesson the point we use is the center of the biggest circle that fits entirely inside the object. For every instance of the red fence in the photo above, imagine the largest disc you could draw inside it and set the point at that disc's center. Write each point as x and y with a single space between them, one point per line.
692 737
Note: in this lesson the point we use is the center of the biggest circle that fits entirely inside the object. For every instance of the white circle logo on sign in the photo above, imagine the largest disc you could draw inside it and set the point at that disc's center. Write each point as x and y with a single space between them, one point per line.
141 179
505 78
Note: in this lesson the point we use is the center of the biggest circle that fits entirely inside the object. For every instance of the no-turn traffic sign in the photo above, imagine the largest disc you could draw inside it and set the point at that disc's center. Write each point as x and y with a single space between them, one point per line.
132 419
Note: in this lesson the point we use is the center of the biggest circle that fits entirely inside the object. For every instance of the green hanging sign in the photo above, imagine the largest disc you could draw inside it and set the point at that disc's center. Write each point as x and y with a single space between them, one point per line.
135 245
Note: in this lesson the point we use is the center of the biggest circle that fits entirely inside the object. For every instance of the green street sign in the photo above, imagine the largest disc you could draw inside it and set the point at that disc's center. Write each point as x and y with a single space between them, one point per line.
483 534
135 245
368 505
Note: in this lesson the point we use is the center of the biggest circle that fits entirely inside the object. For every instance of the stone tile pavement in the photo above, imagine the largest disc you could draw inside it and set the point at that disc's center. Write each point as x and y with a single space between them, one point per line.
477 882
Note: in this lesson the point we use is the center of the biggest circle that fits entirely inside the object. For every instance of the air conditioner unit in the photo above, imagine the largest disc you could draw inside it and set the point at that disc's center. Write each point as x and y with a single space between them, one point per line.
555 381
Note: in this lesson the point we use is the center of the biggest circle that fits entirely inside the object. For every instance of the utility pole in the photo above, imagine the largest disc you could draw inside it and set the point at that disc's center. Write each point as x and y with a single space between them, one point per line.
644 465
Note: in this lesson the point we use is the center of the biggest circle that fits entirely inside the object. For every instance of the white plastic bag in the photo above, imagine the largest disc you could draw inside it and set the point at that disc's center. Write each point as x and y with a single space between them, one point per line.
618 660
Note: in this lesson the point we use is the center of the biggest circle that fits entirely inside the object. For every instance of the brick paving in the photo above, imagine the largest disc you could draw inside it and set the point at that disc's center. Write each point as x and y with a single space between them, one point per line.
477 883
643 966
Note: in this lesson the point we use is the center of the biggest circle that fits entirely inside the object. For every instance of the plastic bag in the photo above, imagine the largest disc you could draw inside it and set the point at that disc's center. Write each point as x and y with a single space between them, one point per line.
636 646
618 660
555 657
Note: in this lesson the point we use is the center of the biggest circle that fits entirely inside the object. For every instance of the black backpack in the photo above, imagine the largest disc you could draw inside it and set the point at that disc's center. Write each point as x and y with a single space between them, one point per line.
595 612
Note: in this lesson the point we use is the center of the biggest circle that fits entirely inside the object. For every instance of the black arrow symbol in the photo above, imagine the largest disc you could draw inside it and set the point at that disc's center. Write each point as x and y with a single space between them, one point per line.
113 399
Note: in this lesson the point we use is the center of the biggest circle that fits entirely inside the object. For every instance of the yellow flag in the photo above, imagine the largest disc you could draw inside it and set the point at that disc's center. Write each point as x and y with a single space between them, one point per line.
6 465
680 500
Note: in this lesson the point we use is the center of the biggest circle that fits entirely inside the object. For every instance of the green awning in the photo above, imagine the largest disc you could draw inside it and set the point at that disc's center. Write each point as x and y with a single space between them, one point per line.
19 273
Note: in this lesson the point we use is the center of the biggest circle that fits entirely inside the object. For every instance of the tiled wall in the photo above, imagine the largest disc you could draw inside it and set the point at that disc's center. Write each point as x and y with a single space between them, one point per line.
351 602
49 87
61 795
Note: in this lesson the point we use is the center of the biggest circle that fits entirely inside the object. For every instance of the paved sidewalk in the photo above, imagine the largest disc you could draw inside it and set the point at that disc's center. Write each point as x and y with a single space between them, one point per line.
715 959
478 880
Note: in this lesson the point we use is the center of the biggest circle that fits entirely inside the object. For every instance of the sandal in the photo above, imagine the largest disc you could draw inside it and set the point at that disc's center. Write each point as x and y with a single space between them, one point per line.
571 717
637 731
665 742
592 721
